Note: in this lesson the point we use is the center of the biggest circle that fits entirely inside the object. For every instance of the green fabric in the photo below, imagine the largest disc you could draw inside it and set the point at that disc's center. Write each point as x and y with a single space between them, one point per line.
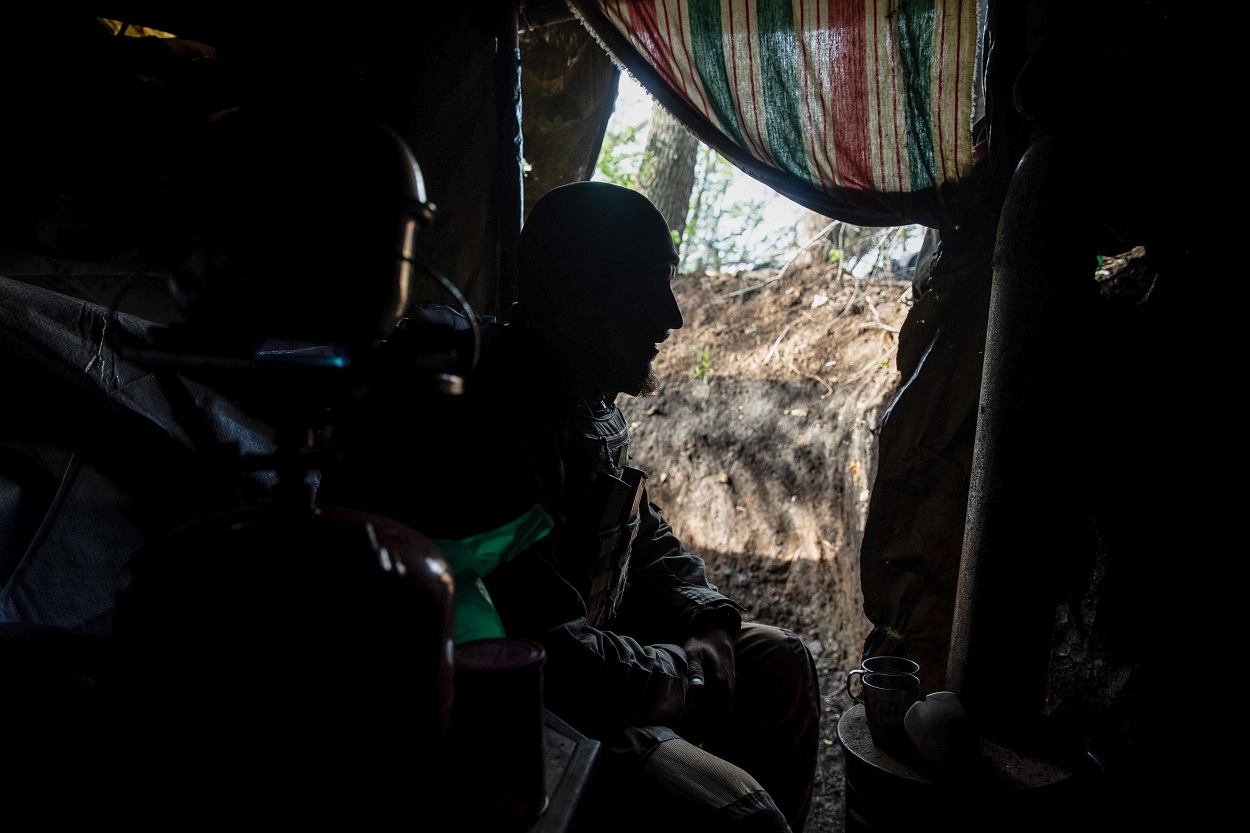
778 67
916 51
476 556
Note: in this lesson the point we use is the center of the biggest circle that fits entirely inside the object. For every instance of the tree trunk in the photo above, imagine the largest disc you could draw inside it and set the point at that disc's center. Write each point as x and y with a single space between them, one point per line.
667 175
810 225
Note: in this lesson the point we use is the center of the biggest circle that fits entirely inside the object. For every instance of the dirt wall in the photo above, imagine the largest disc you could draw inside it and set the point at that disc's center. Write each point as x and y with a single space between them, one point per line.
761 450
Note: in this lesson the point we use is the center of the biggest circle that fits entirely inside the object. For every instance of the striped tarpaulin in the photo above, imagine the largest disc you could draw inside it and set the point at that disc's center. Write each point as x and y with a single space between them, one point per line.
859 109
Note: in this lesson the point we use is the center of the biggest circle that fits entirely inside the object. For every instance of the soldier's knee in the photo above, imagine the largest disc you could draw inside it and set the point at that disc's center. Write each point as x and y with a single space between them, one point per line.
708 788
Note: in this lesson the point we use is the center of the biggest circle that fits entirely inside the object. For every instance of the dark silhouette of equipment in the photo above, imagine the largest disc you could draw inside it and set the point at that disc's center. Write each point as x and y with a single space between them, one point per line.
290 656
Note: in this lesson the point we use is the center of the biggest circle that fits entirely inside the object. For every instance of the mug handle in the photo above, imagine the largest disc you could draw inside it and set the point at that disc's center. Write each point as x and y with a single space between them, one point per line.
850 674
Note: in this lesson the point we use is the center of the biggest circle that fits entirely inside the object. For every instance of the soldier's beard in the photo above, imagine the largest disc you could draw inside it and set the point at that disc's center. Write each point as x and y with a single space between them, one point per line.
650 385
630 375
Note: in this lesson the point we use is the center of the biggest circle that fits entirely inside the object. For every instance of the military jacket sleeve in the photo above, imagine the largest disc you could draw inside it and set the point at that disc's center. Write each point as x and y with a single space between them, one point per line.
631 671
596 679
668 585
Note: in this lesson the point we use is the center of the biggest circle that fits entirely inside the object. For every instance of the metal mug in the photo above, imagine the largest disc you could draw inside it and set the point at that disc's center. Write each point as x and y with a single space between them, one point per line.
887 664
886 697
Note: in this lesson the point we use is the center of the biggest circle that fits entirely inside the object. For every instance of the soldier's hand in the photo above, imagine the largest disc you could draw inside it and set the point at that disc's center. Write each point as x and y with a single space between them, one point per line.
710 673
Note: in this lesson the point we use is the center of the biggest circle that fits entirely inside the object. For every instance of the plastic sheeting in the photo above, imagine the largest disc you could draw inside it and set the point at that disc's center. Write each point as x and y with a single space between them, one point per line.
99 455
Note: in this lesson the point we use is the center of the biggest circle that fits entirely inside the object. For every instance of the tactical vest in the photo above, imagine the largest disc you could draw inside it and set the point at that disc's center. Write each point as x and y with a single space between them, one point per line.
602 494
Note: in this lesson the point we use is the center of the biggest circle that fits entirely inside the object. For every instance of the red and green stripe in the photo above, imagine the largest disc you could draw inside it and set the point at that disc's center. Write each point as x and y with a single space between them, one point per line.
862 95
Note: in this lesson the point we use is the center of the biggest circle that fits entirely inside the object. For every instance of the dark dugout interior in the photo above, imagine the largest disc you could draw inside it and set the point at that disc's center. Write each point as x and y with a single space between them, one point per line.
1048 460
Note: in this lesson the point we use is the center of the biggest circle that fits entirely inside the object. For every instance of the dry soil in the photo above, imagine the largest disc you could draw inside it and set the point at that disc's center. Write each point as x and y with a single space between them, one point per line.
760 448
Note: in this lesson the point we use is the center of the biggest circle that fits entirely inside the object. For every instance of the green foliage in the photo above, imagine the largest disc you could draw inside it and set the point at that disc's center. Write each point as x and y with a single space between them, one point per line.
873 253
621 158
703 363
716 229
720 232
